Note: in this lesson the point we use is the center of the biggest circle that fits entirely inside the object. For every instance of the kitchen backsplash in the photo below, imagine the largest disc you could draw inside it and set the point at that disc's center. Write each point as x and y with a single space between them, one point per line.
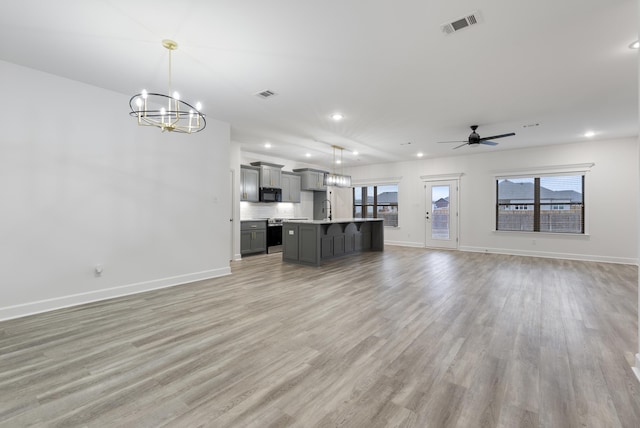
251 210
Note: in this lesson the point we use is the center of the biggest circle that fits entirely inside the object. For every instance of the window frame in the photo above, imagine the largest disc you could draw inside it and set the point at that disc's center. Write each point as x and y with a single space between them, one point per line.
364 205
570 170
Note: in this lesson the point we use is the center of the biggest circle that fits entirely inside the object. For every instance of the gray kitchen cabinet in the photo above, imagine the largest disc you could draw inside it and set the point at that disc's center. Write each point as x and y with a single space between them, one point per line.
270 174
311 179
253 237
290 187
249 181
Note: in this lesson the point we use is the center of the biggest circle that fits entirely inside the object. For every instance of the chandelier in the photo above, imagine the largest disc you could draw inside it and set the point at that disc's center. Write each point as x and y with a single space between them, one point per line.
334 179
167 112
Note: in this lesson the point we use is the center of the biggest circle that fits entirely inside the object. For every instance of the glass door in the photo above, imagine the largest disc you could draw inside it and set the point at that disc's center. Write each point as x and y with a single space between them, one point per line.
441 214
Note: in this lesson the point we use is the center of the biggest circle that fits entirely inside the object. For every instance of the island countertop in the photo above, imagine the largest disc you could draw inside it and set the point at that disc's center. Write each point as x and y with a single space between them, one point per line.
335 221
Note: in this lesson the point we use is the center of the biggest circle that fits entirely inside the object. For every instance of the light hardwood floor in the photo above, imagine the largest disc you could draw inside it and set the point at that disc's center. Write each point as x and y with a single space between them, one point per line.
404 338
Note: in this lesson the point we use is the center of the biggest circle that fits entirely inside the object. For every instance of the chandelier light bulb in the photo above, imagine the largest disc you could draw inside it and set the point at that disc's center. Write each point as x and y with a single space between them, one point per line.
138 102
163 111
198 106
176 95
144 94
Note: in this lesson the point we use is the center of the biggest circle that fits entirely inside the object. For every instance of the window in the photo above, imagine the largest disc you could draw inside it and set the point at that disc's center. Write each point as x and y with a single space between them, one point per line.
377 202
541 204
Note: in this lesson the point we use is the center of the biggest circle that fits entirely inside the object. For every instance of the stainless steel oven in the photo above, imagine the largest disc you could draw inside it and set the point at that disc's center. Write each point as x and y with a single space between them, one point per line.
274 235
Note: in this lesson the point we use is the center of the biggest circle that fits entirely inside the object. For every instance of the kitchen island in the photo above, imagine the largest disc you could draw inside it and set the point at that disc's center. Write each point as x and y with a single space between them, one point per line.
311 242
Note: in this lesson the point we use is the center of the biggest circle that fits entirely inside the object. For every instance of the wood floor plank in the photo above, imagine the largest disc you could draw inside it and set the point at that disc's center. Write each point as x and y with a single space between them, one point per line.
404 338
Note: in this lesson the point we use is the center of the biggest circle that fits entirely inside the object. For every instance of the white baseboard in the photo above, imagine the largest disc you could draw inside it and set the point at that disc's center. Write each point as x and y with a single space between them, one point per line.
543 254
405 244
40 306
551 255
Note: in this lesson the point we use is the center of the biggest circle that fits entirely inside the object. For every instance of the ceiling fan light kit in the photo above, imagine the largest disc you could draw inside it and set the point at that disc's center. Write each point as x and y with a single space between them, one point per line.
167 112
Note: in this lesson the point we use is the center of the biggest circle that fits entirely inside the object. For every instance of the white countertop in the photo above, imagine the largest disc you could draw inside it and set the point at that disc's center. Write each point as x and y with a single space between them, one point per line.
337 220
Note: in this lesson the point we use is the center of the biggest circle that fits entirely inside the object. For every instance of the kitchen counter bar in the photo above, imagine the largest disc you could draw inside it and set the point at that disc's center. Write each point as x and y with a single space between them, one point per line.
311 242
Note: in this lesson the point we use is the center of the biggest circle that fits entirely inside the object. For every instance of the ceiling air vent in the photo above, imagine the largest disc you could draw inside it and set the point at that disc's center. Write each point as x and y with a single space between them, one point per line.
461 23
266 94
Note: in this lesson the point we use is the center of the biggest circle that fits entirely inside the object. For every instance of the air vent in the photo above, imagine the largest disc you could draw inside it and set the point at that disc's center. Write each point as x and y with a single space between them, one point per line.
266 94
461 23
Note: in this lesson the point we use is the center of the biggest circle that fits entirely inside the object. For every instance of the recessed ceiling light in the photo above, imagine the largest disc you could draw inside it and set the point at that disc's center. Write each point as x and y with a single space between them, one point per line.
308 155
420 154
267 145
355 153
338 161
589 134
337 116
635 45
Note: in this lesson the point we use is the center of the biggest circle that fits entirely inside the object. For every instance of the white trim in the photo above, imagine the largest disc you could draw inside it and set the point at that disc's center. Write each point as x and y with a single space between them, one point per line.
543 170
532 234
31 308
442 177
550 255
405 244
636 368
375 181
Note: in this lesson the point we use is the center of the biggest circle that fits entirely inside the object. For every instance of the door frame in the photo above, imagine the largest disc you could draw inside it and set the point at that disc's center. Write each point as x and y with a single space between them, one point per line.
232 216
434 179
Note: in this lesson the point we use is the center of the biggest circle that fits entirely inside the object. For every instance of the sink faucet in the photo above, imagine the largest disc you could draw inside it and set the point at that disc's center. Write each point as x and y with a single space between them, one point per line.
327 200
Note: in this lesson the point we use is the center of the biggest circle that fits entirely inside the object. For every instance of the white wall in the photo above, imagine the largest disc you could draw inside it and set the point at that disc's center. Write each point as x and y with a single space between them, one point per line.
611 196
82 185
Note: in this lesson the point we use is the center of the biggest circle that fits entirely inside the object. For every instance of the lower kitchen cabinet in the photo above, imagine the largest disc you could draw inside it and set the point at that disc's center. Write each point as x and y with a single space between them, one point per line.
253 237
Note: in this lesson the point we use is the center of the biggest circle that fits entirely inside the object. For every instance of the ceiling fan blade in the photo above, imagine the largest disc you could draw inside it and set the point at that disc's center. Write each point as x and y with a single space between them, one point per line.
459 141
461 145
489 143
493 137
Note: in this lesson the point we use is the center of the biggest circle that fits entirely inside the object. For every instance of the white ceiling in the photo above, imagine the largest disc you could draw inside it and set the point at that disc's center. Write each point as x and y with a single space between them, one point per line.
386 66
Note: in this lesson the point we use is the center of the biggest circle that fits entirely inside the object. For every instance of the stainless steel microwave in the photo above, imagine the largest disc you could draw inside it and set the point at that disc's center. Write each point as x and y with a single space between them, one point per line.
270 194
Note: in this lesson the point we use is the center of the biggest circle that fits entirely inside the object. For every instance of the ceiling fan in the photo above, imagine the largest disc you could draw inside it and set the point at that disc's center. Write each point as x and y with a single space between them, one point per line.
475 139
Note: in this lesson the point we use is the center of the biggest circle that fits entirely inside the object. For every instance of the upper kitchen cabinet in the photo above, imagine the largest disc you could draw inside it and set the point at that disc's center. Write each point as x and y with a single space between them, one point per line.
249 181
311 179
290 187
270 174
